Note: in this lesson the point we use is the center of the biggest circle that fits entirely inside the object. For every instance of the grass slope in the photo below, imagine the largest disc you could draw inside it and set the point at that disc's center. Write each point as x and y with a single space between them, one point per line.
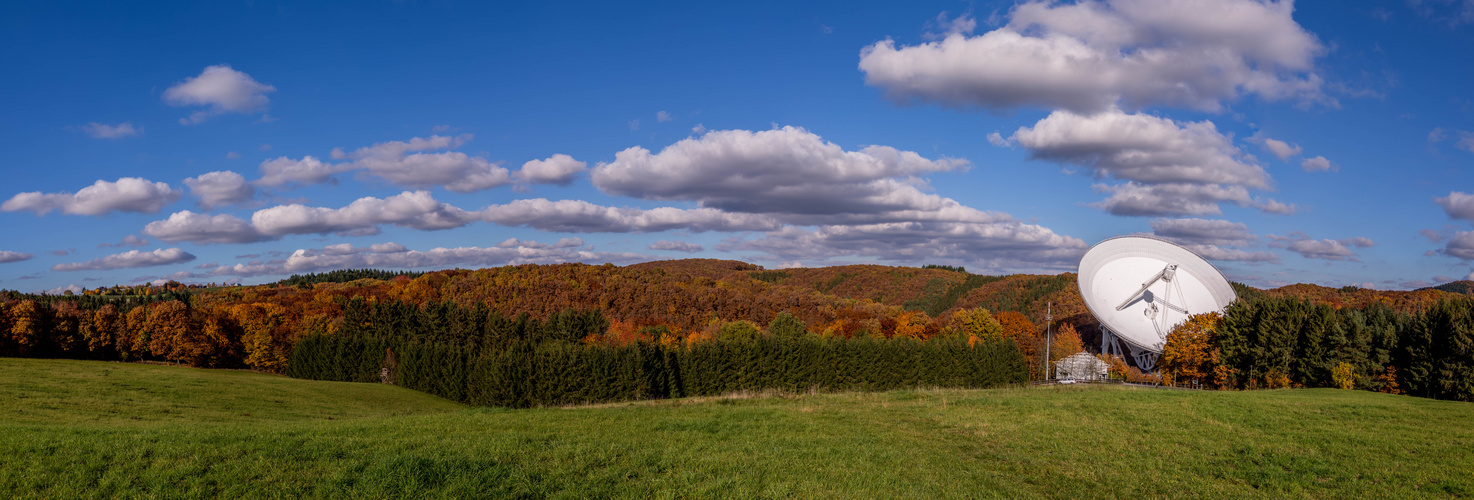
53 392
69 430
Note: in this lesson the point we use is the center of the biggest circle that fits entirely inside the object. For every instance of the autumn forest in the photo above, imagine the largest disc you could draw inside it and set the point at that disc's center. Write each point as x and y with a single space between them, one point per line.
538 335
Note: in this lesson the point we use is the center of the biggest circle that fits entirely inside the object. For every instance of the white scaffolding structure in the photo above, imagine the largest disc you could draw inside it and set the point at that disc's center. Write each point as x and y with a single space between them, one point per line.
1081 366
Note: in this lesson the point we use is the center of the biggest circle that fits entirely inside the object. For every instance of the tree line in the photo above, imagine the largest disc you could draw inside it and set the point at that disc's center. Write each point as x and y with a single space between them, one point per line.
346 275
482 357
1412 342
479 355
1274 342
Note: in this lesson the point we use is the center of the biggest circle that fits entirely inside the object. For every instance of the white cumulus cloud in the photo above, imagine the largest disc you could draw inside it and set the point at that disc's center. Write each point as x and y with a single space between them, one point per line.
1326 249
1461 245
407 164
1170 167
128 194
1280 149
411 164
1091 55
220 188
129 259
187 226
1317 164
1142 148
785 170
308 170
221 90
413 209
7 256
559 169
1458 205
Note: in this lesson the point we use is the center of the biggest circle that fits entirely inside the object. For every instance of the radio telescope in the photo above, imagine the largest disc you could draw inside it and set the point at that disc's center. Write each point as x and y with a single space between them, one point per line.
1140 287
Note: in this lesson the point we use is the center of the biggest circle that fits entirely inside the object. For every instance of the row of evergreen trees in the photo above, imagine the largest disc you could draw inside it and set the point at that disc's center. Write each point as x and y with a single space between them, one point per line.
124 303
1278 342
481 357
477 329
346 275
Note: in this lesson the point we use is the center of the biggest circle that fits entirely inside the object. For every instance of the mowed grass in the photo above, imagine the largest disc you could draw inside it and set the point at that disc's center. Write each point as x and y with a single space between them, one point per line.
78 429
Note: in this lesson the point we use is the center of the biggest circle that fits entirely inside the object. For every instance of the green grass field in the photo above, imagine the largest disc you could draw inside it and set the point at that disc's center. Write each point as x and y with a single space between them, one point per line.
75 429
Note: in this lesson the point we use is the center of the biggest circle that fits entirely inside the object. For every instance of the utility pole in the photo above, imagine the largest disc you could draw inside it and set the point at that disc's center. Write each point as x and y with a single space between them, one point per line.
1048 335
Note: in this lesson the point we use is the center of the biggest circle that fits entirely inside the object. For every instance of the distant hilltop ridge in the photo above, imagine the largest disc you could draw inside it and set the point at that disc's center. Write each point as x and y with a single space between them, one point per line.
936 290
1462 287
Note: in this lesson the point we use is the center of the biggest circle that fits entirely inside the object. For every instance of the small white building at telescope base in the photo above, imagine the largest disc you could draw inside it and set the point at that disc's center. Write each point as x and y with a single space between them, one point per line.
1081 366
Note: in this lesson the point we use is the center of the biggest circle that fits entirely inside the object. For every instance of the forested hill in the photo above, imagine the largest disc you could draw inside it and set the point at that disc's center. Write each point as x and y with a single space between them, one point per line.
687 294
680 301
1464 287
940 292
1357 298
690 293
936 292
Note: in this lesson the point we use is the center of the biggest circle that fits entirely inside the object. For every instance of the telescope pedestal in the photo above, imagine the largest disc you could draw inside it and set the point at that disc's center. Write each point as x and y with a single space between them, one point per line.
1111 345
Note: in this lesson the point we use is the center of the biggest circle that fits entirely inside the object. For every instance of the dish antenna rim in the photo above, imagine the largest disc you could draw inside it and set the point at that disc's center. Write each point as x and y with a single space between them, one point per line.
1146 354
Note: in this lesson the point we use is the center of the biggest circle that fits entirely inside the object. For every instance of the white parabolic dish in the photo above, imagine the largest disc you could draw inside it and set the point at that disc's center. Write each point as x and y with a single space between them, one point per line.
1130 284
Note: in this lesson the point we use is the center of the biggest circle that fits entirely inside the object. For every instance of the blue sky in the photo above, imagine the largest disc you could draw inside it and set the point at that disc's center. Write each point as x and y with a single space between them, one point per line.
1320 142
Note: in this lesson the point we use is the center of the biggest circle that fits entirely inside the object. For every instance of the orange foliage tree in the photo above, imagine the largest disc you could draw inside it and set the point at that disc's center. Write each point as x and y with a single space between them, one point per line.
1119 370
27 326
100 332
1191 356
1066 342
1025 335
619 333
66 325
912 325
169 331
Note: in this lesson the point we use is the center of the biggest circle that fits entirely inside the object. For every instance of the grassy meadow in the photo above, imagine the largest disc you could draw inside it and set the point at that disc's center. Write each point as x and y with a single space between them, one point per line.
80 429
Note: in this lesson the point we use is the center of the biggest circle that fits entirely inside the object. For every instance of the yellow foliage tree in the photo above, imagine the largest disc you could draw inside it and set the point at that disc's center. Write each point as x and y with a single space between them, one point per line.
1066 342
974 324
27 326
99 332
1190 357
133 340
259 323
1344 375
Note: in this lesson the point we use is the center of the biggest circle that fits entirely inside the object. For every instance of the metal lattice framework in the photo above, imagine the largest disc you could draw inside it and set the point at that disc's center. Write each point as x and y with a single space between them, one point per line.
1081 366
